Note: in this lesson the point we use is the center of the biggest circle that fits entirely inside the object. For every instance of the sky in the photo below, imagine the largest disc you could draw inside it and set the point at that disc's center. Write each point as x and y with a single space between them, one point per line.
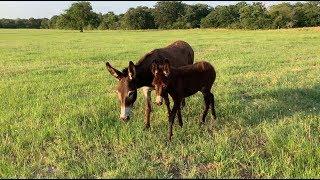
47 9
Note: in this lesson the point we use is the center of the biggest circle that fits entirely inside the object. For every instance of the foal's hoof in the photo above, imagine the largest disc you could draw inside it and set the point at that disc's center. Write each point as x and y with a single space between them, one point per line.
180 124
146 127
183 104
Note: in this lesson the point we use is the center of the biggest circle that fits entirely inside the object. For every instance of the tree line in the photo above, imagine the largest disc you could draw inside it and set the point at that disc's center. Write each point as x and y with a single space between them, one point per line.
178 15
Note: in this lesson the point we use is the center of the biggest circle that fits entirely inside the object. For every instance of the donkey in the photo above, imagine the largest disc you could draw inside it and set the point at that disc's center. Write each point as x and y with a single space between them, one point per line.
180 83
139 75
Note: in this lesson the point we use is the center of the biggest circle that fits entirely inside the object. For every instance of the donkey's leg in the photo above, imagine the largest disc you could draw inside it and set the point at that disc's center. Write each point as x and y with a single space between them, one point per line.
207 100
147 95
173 112
180 117
212 106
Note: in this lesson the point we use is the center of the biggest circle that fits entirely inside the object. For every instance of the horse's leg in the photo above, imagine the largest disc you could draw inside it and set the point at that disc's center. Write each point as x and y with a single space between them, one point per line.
147 95
176 106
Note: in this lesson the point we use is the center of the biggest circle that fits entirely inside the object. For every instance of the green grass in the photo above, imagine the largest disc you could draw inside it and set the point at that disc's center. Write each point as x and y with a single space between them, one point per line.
59 110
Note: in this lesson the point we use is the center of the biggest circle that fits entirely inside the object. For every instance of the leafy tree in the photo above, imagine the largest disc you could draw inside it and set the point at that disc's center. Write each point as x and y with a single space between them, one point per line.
167 12
110 21
33 23
53 22
79 15
102 24
298 16
8 23
94 21
222 16
194 14
181 23
64 22
21 23
44 23
254 16
281 15
312 13
138 18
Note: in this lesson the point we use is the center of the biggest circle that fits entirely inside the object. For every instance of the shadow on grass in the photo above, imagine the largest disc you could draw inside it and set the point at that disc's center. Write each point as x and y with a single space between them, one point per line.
275 104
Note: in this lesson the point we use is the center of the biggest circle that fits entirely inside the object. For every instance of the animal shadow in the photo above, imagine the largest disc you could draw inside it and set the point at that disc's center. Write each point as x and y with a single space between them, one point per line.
274 105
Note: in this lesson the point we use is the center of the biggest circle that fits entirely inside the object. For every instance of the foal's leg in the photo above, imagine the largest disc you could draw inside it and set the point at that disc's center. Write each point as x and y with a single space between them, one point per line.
212 106
167 102
147 95
172 115
207 100
183 102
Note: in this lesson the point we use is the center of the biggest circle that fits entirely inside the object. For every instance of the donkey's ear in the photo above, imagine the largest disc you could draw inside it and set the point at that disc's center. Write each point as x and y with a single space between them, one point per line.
117 74
131 70
166 67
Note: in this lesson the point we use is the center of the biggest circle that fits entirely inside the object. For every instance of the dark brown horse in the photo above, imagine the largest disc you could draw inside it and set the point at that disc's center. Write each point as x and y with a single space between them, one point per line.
139 75
180 83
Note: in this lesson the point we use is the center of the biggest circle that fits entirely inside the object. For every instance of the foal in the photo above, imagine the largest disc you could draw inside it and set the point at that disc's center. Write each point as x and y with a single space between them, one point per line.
180 83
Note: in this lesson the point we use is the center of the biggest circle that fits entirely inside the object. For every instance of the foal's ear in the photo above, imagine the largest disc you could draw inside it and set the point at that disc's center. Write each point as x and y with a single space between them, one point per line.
131 70
166 67
117 74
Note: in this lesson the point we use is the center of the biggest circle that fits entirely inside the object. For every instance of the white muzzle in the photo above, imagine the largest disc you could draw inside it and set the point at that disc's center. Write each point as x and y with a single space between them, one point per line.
125 112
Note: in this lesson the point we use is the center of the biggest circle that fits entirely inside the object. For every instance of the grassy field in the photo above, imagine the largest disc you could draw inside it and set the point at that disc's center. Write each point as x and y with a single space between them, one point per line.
59 109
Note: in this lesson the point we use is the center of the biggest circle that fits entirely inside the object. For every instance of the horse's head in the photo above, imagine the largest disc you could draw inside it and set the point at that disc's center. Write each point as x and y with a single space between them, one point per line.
126 89
160 70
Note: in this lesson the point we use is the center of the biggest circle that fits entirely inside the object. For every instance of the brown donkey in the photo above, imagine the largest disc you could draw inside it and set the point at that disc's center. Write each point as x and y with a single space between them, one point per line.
180 83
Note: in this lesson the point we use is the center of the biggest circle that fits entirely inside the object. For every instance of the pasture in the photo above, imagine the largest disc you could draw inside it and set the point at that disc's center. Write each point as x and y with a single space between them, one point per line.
59 112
